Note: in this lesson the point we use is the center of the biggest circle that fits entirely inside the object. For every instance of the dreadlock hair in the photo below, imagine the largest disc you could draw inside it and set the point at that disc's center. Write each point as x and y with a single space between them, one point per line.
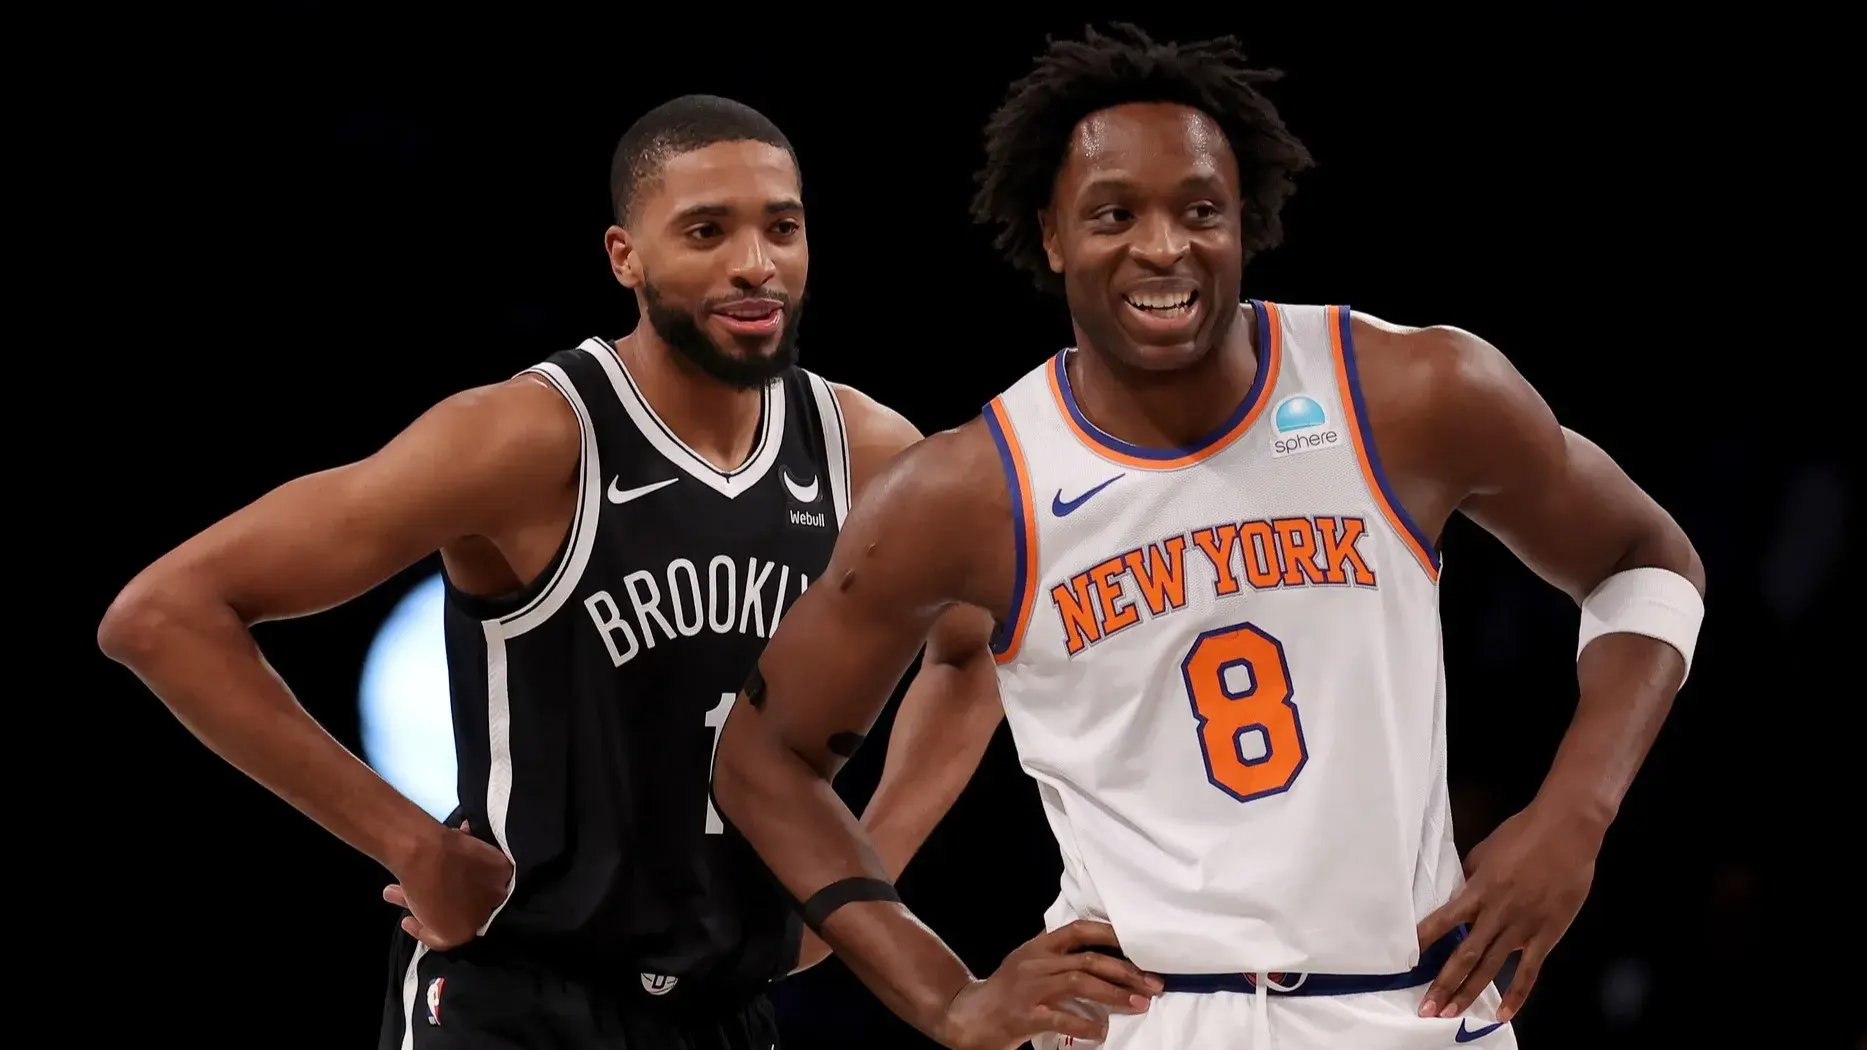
678 126
1027 137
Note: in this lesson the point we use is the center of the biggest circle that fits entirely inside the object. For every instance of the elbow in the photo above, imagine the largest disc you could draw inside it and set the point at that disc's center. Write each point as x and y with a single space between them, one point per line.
1672 549
1665 545
729 785
1694 568
735 776
754 769
139 621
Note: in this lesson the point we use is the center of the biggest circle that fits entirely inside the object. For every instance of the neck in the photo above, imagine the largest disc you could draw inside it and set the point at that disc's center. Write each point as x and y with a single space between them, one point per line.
719 422
1169 409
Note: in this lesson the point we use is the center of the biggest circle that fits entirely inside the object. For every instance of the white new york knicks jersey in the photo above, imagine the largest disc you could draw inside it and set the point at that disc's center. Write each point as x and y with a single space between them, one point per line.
1224 672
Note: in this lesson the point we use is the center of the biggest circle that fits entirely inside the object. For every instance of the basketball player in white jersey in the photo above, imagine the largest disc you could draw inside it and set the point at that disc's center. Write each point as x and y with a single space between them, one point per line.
1208 533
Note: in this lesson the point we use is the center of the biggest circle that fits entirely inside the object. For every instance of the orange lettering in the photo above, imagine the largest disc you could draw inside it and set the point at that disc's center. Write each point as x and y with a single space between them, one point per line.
1163 584
1296 539
1074 608
1216 544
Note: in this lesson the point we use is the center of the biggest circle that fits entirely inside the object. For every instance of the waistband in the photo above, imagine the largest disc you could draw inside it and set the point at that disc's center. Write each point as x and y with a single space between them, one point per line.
1432 960
618 978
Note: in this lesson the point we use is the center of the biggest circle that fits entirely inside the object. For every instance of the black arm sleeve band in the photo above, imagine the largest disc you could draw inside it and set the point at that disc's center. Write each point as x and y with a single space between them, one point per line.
844 891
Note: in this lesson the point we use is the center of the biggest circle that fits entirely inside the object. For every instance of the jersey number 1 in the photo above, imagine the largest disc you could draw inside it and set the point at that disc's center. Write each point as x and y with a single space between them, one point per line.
1239 684
716 721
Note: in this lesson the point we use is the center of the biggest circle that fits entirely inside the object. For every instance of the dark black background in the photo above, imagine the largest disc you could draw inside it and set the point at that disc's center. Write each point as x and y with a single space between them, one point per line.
294 228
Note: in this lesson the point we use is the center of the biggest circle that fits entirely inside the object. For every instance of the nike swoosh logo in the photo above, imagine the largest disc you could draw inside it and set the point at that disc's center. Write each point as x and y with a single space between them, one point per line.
617 495
1063 508
1466 1035
800 493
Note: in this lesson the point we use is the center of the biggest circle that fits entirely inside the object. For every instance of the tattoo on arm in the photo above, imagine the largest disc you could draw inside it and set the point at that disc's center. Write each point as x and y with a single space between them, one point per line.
755 689
843 744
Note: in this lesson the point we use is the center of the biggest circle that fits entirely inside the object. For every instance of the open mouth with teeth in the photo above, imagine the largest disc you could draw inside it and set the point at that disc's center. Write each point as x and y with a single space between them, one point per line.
752 310
1163 304
753 317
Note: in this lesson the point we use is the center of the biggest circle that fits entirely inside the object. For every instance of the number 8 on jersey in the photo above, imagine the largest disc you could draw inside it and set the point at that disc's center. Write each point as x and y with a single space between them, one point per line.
1239 684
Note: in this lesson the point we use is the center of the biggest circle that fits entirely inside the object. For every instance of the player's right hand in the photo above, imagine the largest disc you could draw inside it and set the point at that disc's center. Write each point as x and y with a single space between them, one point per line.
451 887
1031 992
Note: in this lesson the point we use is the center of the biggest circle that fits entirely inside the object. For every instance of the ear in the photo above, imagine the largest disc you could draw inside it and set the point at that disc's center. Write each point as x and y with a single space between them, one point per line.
623 261
1047 222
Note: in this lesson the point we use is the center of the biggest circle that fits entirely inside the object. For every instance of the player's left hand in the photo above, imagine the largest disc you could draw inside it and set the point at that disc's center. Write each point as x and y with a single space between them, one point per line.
1525 884
451 889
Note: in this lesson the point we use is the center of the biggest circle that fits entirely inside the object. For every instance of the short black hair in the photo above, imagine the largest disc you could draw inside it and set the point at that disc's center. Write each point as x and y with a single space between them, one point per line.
1027 137
678 126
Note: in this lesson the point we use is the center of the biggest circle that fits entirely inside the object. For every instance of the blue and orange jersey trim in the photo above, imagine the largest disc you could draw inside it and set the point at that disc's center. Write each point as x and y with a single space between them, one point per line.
1009 634
1140 457
1348 381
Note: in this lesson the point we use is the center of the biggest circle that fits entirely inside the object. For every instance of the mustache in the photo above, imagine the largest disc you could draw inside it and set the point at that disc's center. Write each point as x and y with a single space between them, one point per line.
760 294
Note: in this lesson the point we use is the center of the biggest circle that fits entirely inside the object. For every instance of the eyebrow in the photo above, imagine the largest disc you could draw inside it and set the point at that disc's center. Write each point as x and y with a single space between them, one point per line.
1117 182
721 211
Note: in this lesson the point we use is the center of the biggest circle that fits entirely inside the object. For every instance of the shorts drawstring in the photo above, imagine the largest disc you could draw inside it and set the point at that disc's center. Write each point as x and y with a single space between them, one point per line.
1261 1008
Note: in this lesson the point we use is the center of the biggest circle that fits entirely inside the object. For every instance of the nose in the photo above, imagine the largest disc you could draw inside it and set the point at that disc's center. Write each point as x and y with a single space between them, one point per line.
752 265
1158 242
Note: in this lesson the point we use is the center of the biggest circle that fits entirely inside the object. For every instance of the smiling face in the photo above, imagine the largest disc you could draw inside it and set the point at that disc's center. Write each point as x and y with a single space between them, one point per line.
1144 227
717 252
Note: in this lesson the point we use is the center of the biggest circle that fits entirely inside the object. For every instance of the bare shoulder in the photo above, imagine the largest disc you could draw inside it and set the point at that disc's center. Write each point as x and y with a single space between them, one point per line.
487 459
524 417
1444 401
1431 361
949 473
870 420
521 431
876 433
943 505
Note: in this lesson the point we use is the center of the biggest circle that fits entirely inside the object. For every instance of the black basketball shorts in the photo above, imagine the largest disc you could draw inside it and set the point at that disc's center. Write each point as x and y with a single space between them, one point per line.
464 1001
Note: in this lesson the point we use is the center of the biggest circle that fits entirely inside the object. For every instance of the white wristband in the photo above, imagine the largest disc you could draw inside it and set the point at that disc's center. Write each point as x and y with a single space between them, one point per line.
1657 603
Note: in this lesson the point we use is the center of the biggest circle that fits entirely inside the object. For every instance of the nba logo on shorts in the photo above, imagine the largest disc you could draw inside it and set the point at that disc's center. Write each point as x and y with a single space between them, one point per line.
434 999
1301 425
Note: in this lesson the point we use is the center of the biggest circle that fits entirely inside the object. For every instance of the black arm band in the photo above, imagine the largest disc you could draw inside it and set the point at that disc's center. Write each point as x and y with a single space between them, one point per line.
844 891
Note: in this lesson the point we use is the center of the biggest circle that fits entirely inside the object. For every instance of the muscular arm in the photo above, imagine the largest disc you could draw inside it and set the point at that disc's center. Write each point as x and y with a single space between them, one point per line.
951 709
1488 446
944 724
933 530
488 464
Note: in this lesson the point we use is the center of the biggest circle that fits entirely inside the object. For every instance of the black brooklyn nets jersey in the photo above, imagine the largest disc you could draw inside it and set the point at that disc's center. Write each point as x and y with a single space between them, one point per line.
587 707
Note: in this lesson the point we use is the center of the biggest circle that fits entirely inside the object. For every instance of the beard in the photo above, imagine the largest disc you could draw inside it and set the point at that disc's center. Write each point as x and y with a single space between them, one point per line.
681 330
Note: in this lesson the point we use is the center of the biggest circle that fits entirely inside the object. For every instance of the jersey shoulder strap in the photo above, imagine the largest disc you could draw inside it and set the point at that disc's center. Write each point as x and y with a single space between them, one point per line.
579 374
818 414
579 379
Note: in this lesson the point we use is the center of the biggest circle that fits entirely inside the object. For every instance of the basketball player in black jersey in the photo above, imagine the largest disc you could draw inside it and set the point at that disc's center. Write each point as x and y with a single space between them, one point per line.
621 526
